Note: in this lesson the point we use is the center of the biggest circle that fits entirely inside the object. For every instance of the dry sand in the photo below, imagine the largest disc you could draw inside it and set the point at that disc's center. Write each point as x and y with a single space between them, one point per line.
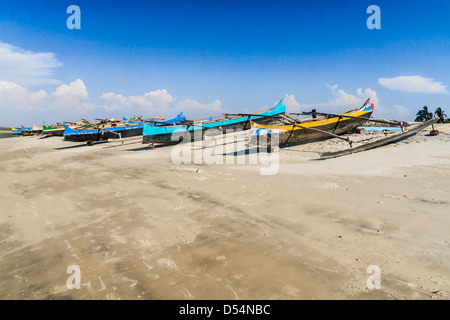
141 227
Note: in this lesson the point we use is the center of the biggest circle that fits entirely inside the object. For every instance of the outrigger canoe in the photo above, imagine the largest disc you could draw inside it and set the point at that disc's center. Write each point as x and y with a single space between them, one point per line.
112 129
16 132
194 130
291 130
55 130
26 131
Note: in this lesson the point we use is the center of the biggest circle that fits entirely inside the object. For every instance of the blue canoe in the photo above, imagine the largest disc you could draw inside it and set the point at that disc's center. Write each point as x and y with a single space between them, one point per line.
126 130
25 131
15 131
175 134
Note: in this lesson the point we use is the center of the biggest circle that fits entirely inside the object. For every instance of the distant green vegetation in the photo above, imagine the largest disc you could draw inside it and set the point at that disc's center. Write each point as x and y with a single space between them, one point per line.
5 128
424 114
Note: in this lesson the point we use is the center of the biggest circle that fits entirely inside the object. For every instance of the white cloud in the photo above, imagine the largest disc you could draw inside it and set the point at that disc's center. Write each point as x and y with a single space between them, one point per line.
72 101
72 98
413 84
153 100
292 106
16 97
190 104
157 101
344 99
402 112
115 101
341 98
26 67
196 110
368 93
160 96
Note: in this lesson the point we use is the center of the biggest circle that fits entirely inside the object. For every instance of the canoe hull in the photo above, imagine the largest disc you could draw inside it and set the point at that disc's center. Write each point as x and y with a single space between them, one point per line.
27 133
99 134
170 135
339 127
197 133
16 132
54 132
186 134
315 129
131 129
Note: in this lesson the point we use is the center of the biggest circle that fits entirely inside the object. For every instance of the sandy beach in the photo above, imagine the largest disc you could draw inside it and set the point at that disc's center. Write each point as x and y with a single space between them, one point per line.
139 226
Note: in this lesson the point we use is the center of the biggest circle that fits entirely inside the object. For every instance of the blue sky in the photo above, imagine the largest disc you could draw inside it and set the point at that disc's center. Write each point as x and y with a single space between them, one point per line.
157 58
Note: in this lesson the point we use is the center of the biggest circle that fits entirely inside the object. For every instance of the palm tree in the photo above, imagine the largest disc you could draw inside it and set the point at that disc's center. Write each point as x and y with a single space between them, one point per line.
423 115
441 114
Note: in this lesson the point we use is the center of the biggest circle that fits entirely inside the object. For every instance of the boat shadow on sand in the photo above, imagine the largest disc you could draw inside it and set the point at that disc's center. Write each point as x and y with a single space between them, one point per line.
145 148
79 145
247 151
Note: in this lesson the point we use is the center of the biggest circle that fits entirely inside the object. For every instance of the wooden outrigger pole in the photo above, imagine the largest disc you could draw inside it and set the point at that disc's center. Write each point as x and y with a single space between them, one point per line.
378 143
401 124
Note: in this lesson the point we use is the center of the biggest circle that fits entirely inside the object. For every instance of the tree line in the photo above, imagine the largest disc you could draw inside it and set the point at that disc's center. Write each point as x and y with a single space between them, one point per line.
424 114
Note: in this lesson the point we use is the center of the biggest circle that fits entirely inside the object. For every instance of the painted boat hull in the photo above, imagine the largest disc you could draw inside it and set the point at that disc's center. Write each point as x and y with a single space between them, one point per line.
196 133
16 132
315 129
27 132
99 134
169 135
306 136
132 129
54 132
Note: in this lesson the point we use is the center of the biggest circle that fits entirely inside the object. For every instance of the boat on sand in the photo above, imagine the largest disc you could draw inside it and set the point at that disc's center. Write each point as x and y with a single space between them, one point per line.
112 129
291 131
196 130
